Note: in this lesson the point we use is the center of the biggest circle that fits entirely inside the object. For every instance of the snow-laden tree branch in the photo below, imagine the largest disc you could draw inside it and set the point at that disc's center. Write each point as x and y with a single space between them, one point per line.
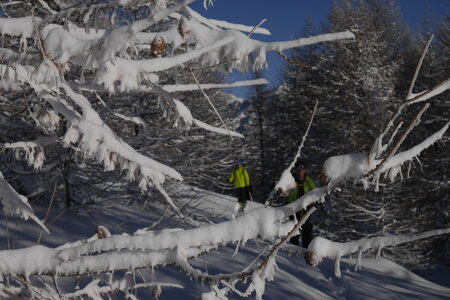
154 248
15 204
34 150
322 248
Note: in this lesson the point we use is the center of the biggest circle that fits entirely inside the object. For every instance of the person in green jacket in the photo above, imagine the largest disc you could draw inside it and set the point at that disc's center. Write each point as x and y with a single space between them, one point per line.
304 184
241 182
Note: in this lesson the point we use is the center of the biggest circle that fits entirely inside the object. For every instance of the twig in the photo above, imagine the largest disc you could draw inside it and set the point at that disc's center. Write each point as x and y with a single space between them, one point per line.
7 229
55 283
256 27
436 90
46 215
419 65
289 60
41 45
4 10
210 102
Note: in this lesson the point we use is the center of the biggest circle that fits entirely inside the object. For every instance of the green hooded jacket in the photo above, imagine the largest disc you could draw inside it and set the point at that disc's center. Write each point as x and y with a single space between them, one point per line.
239 177
307 184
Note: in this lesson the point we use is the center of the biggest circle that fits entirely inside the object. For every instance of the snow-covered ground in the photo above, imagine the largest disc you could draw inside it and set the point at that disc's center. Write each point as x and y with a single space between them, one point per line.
295 279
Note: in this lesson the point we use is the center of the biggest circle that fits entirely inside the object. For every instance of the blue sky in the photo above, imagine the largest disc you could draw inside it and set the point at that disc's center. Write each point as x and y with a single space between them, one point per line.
285 19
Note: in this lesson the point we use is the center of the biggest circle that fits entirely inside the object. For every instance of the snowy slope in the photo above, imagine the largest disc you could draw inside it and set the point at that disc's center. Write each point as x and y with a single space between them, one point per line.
295 279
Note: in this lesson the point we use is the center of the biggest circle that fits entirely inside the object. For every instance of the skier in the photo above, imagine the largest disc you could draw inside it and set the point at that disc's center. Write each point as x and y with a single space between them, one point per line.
241 181
304 184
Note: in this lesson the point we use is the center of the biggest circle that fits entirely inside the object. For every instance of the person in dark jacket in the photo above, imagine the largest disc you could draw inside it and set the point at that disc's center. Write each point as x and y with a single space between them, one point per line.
304 184
241 182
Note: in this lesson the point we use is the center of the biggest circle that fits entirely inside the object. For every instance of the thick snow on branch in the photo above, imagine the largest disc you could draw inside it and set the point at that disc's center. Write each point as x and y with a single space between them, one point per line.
321 247
61 45
238 51
217 24
148 249
21 27
207 86
9 55
400 158
91 135
95 139
181 114
234 45
327 37
224 131
34 150
344 167
358 165
172 87
98 140
152 248
126 71
118 40
15 204
438 89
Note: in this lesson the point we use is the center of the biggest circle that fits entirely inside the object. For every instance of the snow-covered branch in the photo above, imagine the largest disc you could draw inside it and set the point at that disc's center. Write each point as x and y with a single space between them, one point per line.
321 247
34 150
15 204
207 86
355 166
438 89
121 252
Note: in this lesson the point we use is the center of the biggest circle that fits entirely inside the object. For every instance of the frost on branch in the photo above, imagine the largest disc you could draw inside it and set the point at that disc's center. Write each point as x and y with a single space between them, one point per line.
33 151
344 167
60 45
15 204
356 166
322 248
19 27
